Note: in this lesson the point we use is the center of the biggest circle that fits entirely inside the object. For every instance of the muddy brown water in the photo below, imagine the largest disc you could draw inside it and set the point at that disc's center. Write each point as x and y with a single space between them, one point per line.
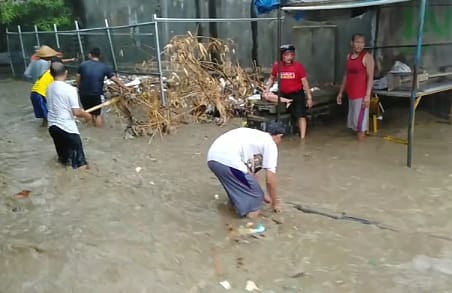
162 229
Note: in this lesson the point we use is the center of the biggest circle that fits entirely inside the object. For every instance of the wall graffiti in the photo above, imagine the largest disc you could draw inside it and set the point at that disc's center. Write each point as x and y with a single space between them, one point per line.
437 27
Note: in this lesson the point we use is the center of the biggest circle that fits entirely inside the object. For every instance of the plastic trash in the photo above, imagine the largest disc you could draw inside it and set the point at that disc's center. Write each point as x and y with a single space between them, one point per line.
251 286
400 67
259 228
226 285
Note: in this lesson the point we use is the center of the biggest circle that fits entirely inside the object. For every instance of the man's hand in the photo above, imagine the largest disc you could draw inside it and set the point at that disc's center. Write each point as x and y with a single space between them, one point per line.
271 189
366 103
287 101
339 99
309 102
90 119
277 205
267 199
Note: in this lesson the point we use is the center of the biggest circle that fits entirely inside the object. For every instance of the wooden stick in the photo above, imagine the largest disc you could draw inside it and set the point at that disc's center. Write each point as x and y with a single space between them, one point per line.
440 74
106 103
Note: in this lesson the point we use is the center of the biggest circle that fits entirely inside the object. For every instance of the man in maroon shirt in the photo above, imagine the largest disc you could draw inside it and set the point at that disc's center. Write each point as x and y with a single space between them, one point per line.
294 87
358 83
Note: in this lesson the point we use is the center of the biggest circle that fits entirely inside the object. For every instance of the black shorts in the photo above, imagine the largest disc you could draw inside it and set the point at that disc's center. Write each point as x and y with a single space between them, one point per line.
298 106
68 147
89 101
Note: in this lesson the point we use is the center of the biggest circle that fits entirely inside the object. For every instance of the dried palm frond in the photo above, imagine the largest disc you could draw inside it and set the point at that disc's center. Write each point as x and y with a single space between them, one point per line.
202 77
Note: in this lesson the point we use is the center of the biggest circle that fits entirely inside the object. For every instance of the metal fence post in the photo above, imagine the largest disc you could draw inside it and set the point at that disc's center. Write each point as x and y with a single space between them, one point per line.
57 38
9 53
417 63
112 49
79 40
22 46
159 61
37 36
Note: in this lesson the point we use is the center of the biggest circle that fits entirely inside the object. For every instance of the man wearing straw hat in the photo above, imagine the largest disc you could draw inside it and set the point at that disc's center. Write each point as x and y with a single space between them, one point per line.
63 108
34 57
90 82
37 67
38 96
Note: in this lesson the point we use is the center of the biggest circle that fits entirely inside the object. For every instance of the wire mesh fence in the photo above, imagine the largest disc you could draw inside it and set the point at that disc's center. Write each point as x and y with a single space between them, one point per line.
127 48
136 48
124 48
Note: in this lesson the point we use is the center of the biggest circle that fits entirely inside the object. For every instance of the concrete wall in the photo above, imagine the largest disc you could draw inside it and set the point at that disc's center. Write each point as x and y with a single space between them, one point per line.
398 27
322 38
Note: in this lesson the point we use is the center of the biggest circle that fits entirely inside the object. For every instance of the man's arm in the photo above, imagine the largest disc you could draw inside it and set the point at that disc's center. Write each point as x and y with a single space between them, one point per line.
67 60
307 91
77 80
271 97
271 79
80 113
77 111
270 82
369 63
342 88
119 82
27 73
343 84
271 190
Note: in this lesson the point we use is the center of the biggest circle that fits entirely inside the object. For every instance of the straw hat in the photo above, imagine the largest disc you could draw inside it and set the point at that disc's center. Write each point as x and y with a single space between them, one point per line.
45 52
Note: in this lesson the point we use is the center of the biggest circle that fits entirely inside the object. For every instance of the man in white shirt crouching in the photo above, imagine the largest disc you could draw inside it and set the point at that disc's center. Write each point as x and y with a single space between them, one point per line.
236 156
63 105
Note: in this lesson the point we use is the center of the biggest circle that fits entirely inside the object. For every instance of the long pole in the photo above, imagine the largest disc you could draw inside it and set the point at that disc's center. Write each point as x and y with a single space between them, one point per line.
376 31
112 49
37 36
278 54
57 38
159 62
80 45
19 29
417 62
9 53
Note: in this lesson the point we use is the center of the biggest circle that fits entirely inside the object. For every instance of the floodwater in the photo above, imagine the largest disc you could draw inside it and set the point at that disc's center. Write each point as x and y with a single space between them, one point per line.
163 229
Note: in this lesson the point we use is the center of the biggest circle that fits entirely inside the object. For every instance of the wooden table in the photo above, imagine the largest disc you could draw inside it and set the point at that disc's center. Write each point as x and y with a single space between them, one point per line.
424 90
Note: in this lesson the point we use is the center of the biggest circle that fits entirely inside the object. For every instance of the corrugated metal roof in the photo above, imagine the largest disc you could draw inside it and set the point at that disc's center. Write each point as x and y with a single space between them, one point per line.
335 4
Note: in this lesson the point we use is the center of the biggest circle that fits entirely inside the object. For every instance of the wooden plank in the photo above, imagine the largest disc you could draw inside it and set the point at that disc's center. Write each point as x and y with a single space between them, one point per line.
424 90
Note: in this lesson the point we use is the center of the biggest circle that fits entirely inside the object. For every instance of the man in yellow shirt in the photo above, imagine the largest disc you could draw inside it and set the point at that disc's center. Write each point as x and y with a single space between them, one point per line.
38 96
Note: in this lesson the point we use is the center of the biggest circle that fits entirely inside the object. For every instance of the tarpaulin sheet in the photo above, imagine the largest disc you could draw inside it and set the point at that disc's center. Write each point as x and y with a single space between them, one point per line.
334 4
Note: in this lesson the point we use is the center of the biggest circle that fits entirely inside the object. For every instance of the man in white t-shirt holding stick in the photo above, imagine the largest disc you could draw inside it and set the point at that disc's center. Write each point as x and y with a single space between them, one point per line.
236 156
63 105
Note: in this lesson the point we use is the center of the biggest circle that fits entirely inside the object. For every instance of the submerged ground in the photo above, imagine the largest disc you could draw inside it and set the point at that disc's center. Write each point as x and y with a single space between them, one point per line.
163 229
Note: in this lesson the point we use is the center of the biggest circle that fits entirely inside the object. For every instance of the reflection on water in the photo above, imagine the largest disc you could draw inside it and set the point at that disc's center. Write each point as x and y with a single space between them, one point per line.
160 227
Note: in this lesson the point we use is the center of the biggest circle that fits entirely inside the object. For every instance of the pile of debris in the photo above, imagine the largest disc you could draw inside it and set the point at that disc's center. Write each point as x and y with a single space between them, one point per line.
203 84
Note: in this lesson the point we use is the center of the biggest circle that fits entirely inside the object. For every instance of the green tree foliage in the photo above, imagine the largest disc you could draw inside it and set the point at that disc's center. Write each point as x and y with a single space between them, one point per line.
43 13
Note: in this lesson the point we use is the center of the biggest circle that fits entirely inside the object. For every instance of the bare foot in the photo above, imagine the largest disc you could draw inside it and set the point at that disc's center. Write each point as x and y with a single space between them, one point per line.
361 136
277 209
252 215
84 167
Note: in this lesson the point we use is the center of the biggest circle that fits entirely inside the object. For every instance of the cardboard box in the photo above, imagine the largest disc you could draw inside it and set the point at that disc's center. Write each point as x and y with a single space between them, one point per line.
262 120
404 81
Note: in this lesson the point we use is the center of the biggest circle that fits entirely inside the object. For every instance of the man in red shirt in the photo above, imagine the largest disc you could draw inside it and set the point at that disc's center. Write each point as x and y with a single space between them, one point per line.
358 83
294 87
